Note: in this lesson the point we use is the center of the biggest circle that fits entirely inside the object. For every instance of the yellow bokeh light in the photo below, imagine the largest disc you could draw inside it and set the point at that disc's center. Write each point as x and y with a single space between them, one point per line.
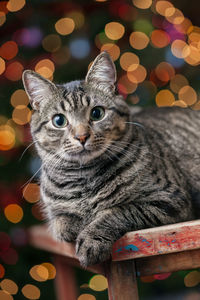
143 4
52 42
126 86
114 30
165 98
138 40
112 49
9 286
39 273
19 97
51 270
31 192
7 137
180 49
2 65
86 297
129 61
164 71
15 5
160 38
138 75
2 18
14 213
21 115
78 18
177 82
192 279
188 95
61 56
5 296
30 291
65 26
98 283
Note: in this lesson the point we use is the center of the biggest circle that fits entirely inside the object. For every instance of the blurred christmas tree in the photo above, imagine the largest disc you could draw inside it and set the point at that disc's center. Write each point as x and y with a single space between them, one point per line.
156 50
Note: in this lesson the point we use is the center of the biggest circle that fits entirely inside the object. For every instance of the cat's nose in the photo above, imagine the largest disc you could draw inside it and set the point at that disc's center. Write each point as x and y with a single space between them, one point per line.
82 138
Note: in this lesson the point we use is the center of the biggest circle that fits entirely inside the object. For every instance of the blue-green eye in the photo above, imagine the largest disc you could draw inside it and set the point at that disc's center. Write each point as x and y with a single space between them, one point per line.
97 113
59 121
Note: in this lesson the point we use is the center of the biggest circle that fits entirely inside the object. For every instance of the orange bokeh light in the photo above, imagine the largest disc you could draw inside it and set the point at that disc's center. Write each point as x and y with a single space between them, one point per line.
174 15
19 97
9 50
65 26
31 192
165 98
21 115
7 137
9 286
14 213
180 49
39 273
14 71
112 49
15 5
51 270
180 103
2 65
142 4
30 291
160 38
162 6
129 61
138 75
125 86
177 82
188 95
45 67
138 40
2 18
164 71
114 30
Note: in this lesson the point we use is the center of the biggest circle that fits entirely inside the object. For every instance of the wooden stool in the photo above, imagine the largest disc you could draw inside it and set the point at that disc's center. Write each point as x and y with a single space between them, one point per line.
140 253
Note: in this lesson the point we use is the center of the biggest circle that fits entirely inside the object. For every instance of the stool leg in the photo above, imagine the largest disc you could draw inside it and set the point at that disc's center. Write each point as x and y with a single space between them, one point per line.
122 283
65 280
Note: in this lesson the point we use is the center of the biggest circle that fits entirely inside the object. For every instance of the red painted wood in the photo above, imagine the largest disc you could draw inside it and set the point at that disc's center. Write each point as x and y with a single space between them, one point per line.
159 240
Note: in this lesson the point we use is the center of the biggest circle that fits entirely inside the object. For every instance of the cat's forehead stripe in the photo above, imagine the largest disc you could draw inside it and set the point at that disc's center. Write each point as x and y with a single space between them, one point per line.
75 99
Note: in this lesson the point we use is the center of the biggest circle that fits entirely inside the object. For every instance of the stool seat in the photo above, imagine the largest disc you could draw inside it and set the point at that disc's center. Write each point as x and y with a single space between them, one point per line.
139 253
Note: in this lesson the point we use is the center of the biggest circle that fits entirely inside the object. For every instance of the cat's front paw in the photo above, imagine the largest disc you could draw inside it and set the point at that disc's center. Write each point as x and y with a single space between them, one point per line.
92 249
62 230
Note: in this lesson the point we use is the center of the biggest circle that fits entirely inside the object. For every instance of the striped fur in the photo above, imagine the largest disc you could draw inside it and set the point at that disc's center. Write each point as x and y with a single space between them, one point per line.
139 170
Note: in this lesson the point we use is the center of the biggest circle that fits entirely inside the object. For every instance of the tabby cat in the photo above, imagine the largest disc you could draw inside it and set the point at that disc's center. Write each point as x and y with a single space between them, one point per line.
105 169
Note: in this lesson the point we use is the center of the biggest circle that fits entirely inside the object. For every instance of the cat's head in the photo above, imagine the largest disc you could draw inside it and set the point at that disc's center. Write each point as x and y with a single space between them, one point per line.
78 120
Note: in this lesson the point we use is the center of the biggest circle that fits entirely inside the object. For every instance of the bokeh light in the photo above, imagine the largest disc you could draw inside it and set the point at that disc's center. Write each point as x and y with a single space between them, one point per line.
7 137
15 5
2 65
125 86
165 98
2 18
188 95
160 38
163 6
129 61
39 273
112 49
192 279
51 270
2 271
114 30
52 42
78 18
143 25
19 97
98 283
177 82
46 68
31 192
138 75
180 103
164 71
76 45
14 71
65 26
21 115
180 49
9 286
9 50
174 15
14 213
142 4
5 296
138 40
30 291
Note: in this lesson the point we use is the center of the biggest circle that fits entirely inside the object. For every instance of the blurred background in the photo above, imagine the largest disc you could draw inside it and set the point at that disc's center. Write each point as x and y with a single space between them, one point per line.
156 48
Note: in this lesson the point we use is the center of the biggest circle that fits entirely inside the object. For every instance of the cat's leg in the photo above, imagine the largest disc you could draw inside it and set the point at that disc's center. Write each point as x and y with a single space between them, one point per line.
65 227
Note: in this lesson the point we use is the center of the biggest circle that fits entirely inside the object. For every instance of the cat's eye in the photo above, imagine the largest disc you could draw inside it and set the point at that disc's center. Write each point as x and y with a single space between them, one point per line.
97 113
59 121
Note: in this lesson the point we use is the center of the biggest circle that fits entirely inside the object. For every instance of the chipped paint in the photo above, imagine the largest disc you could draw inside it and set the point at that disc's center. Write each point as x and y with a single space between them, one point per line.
131 247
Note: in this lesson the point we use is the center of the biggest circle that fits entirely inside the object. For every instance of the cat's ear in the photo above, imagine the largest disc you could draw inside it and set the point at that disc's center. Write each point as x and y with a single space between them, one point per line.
37 88
102 73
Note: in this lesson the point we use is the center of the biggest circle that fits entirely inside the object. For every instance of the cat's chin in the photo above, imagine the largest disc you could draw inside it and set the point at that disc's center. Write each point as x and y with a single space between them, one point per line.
84 156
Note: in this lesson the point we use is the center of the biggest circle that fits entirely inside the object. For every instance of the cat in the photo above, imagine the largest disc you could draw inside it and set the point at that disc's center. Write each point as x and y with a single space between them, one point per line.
105 169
